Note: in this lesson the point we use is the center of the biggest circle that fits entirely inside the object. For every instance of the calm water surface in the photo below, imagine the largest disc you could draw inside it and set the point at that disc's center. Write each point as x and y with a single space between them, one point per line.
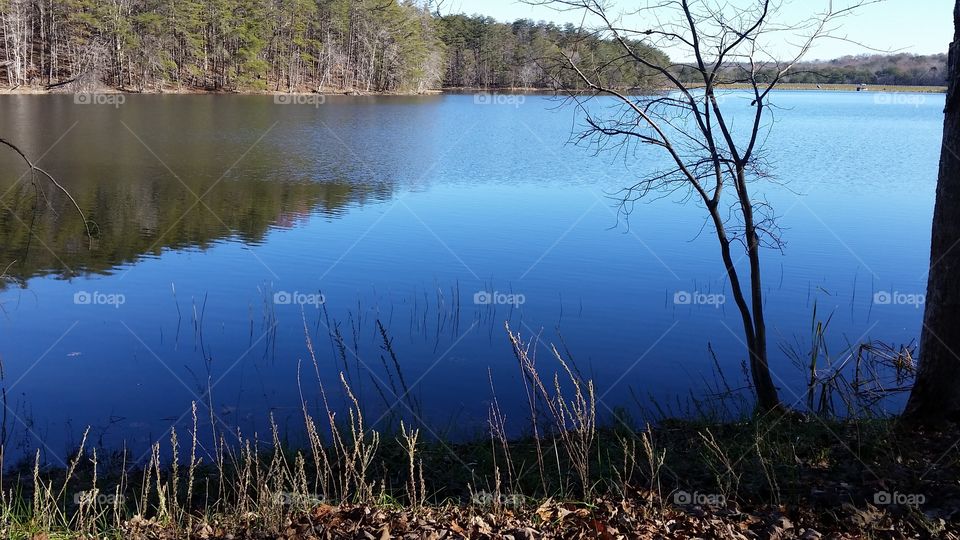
220 220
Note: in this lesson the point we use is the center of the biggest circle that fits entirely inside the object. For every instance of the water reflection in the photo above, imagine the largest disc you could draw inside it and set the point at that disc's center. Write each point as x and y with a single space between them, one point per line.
146 187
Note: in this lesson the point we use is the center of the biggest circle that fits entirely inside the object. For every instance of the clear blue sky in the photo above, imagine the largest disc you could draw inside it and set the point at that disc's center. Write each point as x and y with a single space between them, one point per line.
915 26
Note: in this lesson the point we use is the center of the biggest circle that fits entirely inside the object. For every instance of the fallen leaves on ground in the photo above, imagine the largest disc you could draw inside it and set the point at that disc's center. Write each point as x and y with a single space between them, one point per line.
602 519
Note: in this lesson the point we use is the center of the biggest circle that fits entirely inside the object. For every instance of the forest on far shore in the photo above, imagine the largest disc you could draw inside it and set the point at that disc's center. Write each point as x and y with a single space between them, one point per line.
335 45
893 69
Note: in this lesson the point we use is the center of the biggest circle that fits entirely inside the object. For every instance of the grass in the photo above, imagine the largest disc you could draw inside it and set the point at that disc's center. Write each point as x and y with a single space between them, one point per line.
779 474
827 476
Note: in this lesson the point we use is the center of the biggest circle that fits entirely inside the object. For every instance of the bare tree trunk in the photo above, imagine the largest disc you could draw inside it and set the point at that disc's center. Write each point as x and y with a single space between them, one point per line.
41 13
17 33
935 398
54 44
767 397
754 331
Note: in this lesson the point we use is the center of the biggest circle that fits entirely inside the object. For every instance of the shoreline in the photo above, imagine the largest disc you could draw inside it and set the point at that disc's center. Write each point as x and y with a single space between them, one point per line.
796 478
809 87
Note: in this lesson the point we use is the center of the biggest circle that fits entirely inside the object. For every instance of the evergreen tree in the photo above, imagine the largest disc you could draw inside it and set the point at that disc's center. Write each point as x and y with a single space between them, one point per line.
281 45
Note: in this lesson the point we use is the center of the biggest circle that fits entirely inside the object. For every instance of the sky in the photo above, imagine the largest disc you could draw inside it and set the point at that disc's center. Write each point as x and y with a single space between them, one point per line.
913 26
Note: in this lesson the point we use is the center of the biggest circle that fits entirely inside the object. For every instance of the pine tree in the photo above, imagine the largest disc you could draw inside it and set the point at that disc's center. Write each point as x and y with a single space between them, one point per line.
280 45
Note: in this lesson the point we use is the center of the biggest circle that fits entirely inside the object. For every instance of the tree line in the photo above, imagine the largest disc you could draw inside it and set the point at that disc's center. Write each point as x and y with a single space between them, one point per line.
339 45
896 69
279 45
145 45
482 53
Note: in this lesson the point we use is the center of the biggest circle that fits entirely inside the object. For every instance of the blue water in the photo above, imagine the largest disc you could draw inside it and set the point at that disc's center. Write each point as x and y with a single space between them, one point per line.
444 198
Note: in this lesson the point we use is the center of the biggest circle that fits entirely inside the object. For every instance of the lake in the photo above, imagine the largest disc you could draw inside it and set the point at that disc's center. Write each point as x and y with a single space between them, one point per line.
227 229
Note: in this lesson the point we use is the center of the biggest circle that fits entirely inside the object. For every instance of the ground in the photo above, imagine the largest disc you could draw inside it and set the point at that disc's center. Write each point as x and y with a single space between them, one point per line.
767 478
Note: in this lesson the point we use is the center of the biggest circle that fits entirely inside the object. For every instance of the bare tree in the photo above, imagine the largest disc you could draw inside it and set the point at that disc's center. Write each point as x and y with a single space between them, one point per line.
935 398
17 26
33 172
723 46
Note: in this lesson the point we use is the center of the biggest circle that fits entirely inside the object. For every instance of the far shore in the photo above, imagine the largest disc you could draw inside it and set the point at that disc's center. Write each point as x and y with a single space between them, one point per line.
853 88
40 90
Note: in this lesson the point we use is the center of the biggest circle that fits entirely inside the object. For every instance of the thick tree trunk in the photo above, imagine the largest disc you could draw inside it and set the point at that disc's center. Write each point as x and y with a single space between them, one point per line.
935 398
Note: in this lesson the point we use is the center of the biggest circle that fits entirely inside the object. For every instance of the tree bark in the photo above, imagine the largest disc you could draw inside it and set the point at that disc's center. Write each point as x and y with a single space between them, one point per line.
935 399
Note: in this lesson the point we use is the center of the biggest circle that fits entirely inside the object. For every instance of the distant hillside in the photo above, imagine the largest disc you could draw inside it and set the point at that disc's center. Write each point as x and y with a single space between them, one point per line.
877 69
908 69
893 69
